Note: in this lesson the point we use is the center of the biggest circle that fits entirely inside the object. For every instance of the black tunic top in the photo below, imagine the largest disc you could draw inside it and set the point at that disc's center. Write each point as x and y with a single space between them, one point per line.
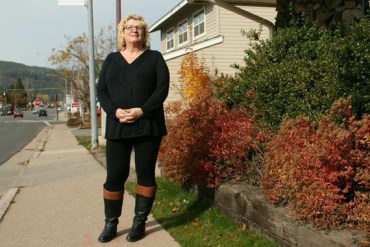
143 83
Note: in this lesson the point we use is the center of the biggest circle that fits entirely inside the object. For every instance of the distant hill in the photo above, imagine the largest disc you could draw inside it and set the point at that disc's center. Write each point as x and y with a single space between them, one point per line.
33 77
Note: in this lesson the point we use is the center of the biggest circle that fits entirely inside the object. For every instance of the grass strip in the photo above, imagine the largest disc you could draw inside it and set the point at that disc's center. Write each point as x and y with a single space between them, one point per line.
194 224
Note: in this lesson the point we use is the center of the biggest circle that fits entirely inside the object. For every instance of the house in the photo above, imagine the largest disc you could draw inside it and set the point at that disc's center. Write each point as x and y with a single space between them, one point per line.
212 29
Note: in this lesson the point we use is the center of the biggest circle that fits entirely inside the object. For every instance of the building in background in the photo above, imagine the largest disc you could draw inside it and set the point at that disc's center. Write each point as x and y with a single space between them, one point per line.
212 29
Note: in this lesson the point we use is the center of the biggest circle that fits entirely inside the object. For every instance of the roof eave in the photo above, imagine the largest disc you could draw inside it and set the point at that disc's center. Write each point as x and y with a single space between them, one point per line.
157 24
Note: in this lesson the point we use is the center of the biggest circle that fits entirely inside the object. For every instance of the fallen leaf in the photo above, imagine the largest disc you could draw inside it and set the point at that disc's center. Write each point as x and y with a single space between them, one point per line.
24 163
243 227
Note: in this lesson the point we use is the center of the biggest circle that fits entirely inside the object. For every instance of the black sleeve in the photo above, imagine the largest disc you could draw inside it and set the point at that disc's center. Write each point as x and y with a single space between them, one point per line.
159 95
102 90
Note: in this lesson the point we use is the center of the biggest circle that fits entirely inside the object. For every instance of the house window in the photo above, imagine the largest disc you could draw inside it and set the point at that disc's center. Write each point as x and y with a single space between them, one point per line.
199 23
170 37
183 32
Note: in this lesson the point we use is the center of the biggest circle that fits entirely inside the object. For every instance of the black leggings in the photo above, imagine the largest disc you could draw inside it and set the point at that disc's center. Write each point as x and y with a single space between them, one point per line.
118 161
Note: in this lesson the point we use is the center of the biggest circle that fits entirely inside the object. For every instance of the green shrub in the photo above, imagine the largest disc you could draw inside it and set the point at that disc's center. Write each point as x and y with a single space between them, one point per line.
302 71
74 122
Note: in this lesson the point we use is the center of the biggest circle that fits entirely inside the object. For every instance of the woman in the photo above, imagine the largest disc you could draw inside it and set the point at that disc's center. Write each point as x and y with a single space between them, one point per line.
132 87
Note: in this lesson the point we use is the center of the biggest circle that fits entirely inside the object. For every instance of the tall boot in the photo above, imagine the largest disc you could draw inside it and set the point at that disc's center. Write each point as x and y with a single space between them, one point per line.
112 209
143 206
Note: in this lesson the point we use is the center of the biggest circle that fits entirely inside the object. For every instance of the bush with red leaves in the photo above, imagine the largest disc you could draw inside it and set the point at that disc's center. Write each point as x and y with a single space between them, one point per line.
209 144
235 149
323 171
186 144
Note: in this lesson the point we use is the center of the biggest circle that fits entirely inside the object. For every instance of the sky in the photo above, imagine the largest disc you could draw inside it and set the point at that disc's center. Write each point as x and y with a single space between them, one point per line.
30 29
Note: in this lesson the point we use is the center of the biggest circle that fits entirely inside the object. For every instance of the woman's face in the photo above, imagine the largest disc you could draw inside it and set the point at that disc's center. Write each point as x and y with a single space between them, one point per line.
134 32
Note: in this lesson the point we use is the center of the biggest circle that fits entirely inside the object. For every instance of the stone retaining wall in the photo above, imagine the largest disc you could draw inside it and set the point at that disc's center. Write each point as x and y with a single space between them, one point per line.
246 205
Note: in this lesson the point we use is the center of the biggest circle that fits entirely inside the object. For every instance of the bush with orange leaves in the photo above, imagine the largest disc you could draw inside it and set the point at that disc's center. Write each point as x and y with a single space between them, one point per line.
322 171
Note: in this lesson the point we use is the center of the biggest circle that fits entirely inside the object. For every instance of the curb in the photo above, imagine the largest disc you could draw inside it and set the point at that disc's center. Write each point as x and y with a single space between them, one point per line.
6 200
47 130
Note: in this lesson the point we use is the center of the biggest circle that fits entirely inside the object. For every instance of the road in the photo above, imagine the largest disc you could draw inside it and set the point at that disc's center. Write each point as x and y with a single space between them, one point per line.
15 133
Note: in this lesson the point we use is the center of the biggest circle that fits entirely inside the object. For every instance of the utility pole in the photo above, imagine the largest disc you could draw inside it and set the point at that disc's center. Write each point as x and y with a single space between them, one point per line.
118 19
118 11
94 119
4 94
5 97
66 93
57 105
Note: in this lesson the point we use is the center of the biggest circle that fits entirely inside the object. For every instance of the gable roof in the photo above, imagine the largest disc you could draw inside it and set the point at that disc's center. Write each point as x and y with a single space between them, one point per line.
185 3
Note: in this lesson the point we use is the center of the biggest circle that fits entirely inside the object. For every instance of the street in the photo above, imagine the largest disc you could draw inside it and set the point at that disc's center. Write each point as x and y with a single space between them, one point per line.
15 133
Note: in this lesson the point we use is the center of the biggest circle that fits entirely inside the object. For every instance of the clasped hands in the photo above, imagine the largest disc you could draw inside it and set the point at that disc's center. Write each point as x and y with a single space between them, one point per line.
129 115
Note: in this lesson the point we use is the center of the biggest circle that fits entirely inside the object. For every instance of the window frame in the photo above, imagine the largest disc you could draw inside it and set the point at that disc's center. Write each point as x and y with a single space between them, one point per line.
204 24
186 22
173 39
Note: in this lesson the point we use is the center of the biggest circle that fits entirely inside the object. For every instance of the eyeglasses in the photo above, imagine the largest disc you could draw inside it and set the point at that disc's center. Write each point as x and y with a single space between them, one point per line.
131 28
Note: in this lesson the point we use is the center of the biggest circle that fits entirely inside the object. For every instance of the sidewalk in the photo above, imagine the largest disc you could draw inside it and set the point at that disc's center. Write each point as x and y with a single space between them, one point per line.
56 198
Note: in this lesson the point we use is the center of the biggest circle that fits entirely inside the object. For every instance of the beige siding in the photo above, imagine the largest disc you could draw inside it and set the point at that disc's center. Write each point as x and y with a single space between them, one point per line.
232 49
174 67
268 13
223 22
211 23
211 26
174 24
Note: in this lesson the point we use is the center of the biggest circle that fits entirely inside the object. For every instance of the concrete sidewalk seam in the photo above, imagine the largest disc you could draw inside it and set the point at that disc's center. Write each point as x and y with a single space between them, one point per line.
65 151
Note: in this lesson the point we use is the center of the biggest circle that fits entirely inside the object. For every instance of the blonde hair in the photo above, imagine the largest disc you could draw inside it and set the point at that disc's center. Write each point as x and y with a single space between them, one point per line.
121 43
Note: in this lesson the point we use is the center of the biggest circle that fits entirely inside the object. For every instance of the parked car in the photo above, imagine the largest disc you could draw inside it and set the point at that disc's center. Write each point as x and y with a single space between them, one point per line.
6 111
42 112
17 113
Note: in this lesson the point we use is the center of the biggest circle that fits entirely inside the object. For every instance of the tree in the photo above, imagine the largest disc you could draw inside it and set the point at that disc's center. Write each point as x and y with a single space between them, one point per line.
19 85
18 95
72 62
325 13
194 76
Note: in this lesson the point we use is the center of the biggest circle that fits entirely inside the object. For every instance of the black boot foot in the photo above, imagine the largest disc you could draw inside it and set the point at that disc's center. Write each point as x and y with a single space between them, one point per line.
136 233
109 232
